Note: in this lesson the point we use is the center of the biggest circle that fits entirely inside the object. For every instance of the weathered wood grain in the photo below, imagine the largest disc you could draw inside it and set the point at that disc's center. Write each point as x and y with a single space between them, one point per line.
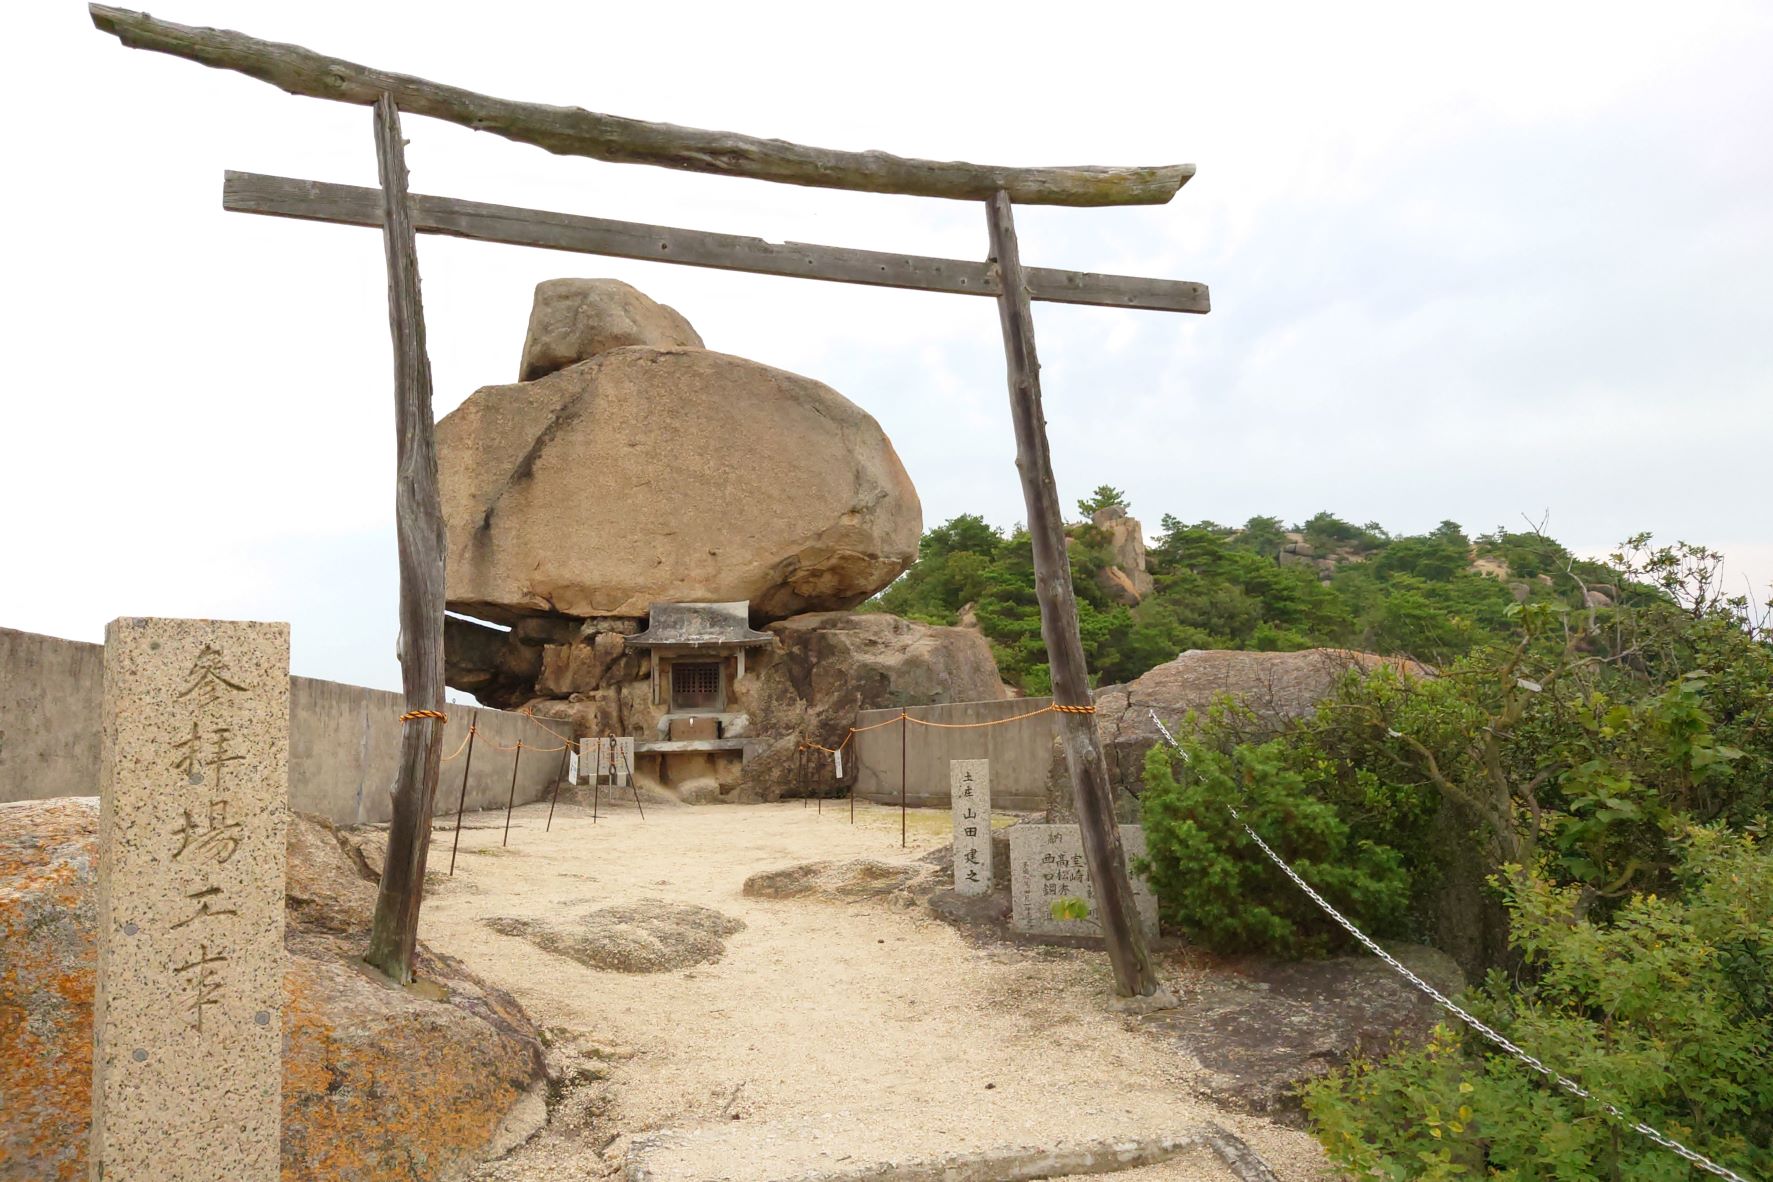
418 523
1134 975
572 131
353 205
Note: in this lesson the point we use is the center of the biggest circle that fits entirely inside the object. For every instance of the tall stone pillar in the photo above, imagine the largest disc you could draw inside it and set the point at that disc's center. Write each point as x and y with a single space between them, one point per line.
194 804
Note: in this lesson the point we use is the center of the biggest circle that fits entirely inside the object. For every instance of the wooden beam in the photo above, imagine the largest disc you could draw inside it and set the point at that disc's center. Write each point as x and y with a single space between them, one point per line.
1106 861
418 522
572 131
351 205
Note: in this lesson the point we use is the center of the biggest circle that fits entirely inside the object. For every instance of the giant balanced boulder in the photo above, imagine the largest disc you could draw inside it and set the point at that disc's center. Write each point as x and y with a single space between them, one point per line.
667 473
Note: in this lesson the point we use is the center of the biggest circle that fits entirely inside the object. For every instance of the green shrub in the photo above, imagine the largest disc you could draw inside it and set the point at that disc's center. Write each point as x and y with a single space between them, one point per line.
1214 883
1662 1009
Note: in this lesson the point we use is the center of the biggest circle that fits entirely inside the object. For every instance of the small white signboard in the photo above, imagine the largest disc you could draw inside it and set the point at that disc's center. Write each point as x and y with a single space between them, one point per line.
606 759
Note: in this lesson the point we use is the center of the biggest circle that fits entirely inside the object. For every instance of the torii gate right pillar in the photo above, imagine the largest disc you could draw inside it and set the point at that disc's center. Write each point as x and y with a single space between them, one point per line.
1134 975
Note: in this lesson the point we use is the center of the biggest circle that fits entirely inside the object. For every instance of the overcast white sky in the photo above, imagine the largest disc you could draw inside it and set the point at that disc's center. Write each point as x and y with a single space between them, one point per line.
1465 264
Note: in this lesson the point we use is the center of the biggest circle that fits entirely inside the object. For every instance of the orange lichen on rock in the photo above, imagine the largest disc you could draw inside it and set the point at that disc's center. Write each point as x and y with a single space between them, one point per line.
48 915
379 1082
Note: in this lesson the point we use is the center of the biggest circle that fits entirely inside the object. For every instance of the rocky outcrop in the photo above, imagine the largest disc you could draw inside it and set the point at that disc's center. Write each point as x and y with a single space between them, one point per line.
379 1082
1275 687
1260 1028
649 473
573 320
837 663
647 936
833 664
842 882
1125 578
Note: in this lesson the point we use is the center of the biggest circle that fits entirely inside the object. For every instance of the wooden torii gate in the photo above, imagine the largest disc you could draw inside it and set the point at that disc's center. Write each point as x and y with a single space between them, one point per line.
573 131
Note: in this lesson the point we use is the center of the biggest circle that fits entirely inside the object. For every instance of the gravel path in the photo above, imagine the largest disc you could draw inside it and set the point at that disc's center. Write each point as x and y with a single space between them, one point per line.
829 1035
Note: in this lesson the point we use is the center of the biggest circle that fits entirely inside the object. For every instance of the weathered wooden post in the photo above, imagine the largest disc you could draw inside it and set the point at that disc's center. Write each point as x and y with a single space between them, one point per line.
418 522
1133 972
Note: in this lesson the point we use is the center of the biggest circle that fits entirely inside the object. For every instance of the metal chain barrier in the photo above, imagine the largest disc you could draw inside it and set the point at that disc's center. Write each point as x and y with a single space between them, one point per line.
1562 1081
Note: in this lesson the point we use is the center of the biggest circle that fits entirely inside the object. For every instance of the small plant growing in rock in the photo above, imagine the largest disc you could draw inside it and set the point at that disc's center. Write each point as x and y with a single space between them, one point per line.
1070 909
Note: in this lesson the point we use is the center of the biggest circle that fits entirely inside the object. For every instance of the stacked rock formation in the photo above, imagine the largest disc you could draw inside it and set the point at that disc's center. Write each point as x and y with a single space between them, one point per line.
632 466
1126 579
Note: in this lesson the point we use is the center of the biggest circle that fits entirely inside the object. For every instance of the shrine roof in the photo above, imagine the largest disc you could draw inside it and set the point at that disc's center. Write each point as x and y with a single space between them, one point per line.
700 625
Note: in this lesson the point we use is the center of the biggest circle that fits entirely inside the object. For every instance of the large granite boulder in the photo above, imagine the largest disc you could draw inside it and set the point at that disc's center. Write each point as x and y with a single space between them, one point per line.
379 1082
1275 687
574 320
669 474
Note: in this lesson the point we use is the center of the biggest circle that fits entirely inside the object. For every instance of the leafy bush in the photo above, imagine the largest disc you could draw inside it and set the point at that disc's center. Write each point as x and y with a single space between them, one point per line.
1215 884
1664 1009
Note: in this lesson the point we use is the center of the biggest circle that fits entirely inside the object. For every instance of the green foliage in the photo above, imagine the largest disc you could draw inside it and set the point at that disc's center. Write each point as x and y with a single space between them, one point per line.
1248 587
1070 908
1665 1009
1216 885
1103 498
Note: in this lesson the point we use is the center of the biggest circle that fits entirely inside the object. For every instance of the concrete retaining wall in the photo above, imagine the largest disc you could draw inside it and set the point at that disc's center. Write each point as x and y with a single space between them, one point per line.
344 741
1020 753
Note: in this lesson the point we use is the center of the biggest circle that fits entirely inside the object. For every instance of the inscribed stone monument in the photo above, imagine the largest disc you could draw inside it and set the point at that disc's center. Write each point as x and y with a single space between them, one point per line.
194 804
969 788
1047 866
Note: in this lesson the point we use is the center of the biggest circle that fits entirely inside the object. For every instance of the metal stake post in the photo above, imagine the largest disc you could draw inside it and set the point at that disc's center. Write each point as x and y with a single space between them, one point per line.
903 727
516 760
633 783
461 804
566 759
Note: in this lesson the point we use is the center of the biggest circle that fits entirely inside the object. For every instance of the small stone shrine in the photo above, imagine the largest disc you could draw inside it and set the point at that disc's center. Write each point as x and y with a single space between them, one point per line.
969 786
194 805
1047 866
696 656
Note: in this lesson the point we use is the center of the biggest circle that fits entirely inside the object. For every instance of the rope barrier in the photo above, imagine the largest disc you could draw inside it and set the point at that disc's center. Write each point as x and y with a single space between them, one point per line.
439 715
530 714
520 743
464 743
1562 1081
1053 708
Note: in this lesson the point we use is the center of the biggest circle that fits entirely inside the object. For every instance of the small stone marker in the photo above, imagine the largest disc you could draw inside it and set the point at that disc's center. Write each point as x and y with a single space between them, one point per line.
194 803
969 788
1047 865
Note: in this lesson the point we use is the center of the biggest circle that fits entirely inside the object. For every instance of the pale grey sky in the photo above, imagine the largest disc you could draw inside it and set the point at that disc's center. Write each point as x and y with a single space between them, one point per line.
1514 258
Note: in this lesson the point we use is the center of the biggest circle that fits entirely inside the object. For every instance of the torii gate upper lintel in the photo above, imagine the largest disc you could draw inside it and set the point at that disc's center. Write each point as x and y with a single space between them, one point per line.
572 131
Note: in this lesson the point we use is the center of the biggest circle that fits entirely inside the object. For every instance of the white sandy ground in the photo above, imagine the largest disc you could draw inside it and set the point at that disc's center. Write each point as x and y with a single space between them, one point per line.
830 1035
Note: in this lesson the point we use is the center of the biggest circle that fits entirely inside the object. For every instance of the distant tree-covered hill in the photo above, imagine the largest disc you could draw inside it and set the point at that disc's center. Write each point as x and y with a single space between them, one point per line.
1261 585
